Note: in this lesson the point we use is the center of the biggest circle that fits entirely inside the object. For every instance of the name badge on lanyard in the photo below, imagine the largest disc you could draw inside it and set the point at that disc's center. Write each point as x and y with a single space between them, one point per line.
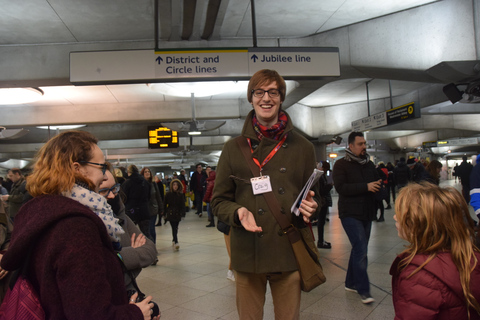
261 184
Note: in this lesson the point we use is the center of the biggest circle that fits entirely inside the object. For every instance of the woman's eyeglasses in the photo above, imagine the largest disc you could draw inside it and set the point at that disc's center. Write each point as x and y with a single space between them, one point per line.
106 191
103 165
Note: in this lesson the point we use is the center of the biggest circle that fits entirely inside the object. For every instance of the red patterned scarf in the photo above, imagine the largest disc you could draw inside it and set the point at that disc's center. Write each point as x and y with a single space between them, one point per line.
275 132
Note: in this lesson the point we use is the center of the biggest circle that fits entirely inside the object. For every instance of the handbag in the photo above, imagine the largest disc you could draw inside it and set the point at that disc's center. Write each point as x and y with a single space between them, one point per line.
303 245
21 300
223 227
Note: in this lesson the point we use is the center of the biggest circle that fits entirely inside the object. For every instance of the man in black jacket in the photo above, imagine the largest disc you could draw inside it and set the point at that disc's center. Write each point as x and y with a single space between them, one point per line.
463 172
402 174
197 182
137 190
356 181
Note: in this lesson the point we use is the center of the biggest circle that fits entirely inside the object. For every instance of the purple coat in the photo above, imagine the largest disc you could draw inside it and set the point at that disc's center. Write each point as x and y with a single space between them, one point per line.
73 266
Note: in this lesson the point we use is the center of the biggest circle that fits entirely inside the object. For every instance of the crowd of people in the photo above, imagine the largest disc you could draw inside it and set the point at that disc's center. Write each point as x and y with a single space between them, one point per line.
143 194
74 204
51 223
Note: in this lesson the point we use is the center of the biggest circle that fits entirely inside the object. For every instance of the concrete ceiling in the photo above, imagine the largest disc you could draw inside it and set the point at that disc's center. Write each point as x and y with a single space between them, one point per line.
400 48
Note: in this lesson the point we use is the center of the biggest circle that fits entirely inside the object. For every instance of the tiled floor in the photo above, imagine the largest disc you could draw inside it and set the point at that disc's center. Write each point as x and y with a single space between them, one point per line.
192 283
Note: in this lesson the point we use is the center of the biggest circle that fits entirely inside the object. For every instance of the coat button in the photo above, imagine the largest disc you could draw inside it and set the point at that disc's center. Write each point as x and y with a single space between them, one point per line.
280 232
260 234
261 211
283 170
282 210
285 145
281 190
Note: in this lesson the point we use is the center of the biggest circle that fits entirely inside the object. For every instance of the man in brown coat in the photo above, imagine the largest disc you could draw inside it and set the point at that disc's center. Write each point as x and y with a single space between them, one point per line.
260 251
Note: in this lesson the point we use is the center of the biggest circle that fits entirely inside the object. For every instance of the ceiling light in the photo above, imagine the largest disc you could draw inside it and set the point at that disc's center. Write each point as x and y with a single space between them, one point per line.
199 89
14 163
194 131
19 95
63 127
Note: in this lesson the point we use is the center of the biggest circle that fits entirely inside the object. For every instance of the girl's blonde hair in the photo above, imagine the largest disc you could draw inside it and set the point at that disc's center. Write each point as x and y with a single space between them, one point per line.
433 220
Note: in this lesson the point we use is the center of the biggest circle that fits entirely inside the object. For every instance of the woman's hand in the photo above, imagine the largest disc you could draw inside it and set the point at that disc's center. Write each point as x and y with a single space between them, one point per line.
308 207
139 241
145 306
248 220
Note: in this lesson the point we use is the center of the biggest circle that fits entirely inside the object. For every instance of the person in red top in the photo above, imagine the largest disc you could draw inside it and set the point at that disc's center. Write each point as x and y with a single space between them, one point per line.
436 276
381 194
208 197
384 169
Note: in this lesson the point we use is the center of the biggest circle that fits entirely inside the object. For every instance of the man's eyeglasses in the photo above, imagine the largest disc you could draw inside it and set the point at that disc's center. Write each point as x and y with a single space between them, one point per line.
106 191
103 165
259 93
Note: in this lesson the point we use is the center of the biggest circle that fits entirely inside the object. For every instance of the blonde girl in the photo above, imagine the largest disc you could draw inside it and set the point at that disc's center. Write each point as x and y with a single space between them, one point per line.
436 276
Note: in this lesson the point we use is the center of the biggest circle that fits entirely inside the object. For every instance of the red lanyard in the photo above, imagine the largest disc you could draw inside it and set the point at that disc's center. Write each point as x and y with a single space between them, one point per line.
270 156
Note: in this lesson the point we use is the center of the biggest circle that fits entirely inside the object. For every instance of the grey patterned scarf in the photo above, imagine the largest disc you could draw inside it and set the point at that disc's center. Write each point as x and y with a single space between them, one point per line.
98 204
350 156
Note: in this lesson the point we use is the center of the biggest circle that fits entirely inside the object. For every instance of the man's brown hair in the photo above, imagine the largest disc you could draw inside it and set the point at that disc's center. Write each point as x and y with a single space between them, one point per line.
265 77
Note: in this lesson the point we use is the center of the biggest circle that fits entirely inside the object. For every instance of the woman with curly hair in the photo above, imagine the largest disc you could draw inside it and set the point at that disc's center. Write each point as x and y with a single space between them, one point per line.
70 235
435 277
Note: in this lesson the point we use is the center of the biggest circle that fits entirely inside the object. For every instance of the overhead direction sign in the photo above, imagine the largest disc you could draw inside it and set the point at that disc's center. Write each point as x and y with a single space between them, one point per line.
173 64
295 62
461 142
452 142
133 66
372 122
402 113
429 144
405 112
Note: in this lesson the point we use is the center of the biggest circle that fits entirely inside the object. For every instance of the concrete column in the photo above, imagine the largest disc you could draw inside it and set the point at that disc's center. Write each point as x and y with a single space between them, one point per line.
320 150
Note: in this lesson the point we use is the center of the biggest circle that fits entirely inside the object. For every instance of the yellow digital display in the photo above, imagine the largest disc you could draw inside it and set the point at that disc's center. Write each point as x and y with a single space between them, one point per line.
162 137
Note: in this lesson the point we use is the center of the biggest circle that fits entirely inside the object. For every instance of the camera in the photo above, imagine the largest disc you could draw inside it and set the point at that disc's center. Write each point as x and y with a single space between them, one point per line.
140 298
